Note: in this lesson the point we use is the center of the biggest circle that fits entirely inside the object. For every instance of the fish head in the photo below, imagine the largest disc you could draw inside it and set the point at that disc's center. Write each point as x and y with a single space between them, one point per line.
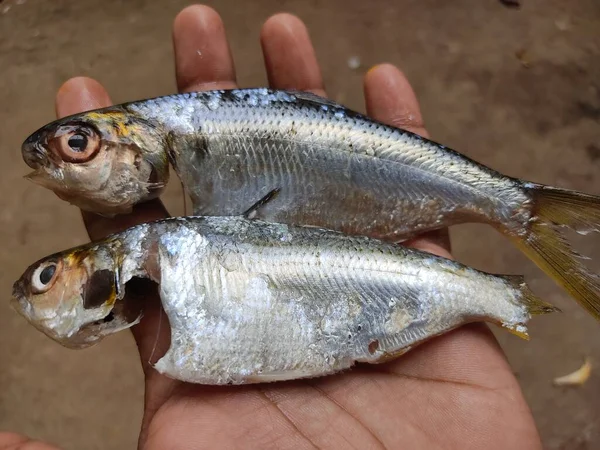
74 297
103 161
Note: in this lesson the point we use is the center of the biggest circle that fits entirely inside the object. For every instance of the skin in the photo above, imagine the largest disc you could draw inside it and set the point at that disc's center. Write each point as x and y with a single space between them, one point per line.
457 391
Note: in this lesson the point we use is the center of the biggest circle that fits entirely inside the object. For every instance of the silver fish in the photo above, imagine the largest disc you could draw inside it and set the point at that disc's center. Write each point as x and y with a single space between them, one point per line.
251 302
332 167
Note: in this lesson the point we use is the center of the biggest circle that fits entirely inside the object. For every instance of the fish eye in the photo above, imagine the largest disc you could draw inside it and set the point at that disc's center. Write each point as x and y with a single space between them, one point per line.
75 143
44 276
47 274
78 142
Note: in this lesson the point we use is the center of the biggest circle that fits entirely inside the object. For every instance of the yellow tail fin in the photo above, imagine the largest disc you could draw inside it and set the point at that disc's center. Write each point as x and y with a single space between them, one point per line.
548 248
535 306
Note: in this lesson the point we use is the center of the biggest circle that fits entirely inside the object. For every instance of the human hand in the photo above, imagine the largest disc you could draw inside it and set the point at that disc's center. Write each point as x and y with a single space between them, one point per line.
456 391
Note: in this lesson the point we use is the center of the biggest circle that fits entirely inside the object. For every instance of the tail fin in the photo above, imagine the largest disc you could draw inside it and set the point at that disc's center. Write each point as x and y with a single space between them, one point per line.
548 248
534 305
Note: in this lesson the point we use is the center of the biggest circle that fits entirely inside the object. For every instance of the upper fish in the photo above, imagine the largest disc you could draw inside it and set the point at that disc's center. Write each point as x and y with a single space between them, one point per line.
331 167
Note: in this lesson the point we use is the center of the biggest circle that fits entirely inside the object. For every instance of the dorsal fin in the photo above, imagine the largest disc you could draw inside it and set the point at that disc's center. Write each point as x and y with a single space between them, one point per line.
314 98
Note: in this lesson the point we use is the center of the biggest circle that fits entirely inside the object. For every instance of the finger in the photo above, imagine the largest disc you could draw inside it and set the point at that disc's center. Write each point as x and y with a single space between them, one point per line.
202 57
13 441
389 98
289 55
99 227
81 94
203 61
436 242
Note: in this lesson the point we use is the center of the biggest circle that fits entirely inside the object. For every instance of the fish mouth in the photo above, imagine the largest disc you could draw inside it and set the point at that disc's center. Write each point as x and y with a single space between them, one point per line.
19 301
34 155
67 337
35 175
41 177
21 305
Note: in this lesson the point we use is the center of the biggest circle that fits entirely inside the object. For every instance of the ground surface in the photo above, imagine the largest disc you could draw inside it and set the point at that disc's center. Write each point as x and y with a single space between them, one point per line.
516 89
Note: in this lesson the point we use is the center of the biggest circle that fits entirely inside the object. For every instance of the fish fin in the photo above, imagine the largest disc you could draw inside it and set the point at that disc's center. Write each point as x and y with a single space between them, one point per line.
251 212
270 377
548 247
534 305
565 208
391 356
154 189
314 98
518 330
183 194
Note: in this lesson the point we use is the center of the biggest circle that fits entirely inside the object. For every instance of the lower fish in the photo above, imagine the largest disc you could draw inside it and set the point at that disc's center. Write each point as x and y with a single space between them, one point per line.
253 302
333 168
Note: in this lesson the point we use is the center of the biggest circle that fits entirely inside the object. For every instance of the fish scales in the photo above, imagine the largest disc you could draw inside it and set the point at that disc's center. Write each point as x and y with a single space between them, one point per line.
255 141
303 302
249 301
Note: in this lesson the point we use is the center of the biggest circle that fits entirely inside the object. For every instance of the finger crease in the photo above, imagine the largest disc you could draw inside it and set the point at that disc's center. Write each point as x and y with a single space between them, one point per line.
286 417
461 384
347 411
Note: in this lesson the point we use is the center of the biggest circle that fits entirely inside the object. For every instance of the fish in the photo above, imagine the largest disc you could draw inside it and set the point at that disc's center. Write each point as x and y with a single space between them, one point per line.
254 302
332 167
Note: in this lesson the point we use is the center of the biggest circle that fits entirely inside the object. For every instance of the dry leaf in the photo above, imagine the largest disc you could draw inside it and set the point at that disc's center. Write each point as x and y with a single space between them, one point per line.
577 378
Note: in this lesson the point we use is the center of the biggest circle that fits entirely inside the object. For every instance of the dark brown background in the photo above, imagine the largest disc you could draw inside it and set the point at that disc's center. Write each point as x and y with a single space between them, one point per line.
534 116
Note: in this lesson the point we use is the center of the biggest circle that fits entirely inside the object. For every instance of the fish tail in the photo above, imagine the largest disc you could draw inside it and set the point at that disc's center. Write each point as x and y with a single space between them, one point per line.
532 303
554 210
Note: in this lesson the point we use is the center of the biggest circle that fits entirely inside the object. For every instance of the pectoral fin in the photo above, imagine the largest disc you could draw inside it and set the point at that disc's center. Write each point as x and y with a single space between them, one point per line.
270 377
252 212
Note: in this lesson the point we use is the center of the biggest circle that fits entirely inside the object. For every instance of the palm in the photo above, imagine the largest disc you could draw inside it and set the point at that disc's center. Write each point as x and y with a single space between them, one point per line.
456 391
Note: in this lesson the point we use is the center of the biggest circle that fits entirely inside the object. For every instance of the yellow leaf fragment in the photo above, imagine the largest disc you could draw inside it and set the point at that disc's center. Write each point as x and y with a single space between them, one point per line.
577 378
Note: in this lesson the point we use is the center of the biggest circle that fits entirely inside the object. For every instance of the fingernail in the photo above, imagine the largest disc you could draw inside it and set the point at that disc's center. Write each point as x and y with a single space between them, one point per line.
372 69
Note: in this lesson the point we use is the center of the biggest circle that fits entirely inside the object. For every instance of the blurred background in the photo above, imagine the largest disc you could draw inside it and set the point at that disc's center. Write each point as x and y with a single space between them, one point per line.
515 88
